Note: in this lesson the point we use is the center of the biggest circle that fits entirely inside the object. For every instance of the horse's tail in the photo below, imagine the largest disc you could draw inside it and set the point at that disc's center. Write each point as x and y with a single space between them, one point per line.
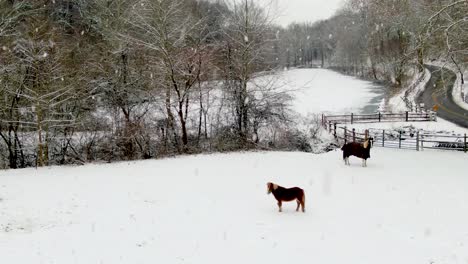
303 201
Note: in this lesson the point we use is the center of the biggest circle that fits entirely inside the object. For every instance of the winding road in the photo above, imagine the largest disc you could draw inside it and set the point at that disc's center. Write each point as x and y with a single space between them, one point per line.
438 91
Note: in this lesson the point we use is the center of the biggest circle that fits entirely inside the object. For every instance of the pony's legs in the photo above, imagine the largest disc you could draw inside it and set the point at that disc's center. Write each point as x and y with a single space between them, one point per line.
279 205
301 203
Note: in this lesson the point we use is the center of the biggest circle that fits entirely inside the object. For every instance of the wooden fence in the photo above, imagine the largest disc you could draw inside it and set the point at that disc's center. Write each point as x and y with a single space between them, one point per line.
379 117
401 139
396 138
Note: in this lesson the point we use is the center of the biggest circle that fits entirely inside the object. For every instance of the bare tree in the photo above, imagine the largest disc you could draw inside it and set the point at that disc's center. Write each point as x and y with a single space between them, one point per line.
176 40
246 35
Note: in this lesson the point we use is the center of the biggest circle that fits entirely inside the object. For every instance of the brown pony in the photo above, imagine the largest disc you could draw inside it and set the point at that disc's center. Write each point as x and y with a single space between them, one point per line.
287 194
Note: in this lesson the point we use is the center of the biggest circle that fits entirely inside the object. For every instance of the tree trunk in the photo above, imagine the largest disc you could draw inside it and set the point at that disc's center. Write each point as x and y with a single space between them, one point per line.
200 118
40 148
170 119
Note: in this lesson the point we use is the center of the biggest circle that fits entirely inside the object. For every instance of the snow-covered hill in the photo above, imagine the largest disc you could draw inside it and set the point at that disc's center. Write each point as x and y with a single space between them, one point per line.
405 207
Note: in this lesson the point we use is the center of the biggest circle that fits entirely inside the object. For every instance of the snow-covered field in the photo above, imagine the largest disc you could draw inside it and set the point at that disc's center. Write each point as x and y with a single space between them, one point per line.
405 207
321 90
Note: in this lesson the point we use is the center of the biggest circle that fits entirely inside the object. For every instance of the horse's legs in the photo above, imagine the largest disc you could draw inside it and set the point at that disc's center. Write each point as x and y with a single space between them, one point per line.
298 204
279 205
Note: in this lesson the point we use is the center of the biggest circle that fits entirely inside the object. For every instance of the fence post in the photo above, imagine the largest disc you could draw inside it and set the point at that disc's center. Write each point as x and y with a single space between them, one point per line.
383 138
422 142
466 147
329 126
335 130
366 134
406 116
323 118
352 118
380 116
345 135
399 141
354 135
417 141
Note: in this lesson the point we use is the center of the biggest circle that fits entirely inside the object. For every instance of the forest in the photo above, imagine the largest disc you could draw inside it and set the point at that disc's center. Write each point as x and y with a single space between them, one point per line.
109 80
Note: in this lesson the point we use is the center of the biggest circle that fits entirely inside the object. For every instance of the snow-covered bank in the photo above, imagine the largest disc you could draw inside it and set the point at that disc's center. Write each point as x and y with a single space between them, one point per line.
405 207
397 102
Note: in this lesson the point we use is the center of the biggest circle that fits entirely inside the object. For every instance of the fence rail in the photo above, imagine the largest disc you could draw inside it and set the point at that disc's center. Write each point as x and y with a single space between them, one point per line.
395 138
380 117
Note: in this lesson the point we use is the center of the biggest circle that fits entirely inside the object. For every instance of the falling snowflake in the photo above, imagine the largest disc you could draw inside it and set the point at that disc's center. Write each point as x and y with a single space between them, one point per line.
246 38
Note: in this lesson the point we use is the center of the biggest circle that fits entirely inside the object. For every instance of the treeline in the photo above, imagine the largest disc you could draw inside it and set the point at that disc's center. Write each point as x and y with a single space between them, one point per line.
383 39
104 80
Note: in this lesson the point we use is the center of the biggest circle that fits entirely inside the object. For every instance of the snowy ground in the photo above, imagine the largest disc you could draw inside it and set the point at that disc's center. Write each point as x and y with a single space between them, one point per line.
214 209
321 90
405 207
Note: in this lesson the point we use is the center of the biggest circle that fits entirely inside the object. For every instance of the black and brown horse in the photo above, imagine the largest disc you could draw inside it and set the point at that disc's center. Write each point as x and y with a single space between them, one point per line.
287 194
360 150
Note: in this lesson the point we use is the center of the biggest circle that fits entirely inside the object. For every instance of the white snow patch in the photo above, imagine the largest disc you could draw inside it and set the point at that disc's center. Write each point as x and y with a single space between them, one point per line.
403 208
